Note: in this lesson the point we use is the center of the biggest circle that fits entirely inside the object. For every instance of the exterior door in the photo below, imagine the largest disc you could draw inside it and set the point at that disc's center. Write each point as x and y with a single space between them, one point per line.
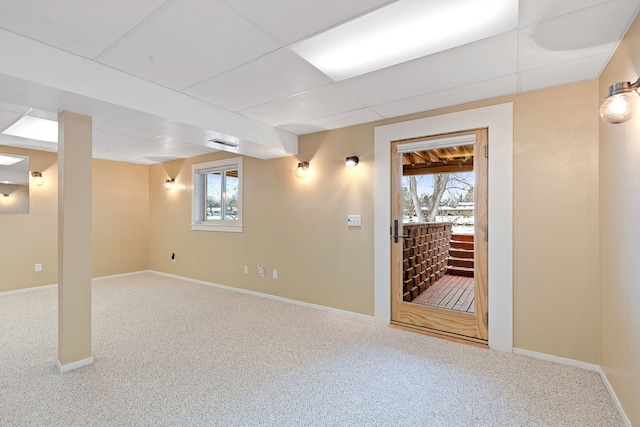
428 250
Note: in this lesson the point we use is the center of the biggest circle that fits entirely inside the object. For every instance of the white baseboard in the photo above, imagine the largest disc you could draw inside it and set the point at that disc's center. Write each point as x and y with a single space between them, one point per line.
113 276
269 296
34 288
55 285
557 359
73 365
583 365
614 397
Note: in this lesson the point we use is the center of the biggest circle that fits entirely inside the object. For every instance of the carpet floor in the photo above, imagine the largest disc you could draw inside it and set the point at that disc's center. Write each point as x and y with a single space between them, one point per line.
171 352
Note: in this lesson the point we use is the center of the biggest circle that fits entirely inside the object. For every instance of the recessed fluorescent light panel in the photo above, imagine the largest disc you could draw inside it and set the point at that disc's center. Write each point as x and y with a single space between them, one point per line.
9 160
405 30
34 128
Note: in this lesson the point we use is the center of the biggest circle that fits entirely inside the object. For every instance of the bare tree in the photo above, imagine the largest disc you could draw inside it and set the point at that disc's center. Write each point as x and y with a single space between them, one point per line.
413 190
455 186
439 187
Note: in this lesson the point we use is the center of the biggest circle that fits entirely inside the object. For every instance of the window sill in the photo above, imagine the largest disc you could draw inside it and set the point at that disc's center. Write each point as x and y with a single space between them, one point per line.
229 228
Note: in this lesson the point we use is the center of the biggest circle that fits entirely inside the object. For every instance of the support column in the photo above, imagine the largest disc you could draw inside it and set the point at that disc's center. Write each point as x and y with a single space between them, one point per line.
74 241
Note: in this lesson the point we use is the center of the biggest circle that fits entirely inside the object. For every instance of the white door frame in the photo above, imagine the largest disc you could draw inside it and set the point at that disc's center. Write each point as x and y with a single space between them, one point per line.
499 119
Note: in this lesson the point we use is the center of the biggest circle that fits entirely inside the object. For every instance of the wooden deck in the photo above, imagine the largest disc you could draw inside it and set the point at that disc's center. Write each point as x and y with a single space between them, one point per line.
450 292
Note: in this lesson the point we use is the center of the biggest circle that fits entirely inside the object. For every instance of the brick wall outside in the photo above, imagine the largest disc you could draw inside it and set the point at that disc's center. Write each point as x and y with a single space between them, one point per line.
425 254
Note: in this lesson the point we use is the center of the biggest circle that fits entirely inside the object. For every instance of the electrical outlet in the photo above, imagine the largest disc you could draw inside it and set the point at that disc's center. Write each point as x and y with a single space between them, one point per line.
275 274
246 269
173 257
261 270
38 268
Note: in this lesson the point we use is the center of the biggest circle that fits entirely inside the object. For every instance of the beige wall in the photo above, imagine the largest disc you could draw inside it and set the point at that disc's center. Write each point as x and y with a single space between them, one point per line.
120 223
555 225
299 226
120 210
620 237
27 239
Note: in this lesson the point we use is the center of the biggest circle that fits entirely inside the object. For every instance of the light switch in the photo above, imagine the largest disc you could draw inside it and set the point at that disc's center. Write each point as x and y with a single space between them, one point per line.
354 220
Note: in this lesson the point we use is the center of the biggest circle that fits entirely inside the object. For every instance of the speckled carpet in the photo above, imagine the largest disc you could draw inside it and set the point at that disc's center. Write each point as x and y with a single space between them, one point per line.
170 352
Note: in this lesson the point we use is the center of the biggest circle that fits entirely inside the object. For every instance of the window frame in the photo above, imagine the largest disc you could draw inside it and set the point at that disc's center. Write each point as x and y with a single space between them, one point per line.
199 173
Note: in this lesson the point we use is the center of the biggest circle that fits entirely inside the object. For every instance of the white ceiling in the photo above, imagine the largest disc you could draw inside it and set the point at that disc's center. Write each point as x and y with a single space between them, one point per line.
161 78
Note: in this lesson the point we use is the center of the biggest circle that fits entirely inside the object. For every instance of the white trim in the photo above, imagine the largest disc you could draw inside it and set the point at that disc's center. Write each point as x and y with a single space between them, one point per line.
557 359
432 144
34 288
220 226
499 119
114 276
614 397
583 365
55 285
198 196
269 296
73 365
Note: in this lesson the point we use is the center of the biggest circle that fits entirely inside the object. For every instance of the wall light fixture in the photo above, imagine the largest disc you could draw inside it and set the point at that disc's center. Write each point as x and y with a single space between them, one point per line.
301 170
352 160
170 183
38 179
5 196
621 102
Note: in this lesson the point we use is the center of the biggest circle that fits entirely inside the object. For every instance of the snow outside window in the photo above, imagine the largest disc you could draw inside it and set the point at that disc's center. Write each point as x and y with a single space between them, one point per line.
217 195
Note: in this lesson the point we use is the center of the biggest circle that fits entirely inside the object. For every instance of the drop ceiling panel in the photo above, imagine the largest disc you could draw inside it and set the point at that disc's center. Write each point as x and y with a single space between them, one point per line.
532 11
479 61
363 115
588 32
125 157
7 118
458 95
103 141
563 73
244 87
291 20
82 27
133 129
188 42
6 106
313 104
158 148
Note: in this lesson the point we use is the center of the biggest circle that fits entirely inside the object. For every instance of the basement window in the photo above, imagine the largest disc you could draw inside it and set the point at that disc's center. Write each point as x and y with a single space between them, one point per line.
217 195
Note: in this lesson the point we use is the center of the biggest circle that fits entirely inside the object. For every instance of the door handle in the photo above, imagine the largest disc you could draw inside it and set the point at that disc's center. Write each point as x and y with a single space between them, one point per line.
395 232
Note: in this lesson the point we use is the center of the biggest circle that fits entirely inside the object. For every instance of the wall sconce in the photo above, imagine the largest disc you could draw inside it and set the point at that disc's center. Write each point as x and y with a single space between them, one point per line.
621 103
301 170
170 183
5 196
37 178
352 160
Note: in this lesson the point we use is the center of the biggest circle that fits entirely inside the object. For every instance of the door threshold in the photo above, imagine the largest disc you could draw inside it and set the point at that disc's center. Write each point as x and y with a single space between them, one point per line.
441 334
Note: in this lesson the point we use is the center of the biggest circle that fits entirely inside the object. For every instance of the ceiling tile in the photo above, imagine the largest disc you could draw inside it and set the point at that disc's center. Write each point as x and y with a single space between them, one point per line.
103 141
532 11
122 157
188 42
157 148
82 27
363 115
563 73
132 129
588 32
7 118
313 104
245 87
479 61
291 20
505 85
5 106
